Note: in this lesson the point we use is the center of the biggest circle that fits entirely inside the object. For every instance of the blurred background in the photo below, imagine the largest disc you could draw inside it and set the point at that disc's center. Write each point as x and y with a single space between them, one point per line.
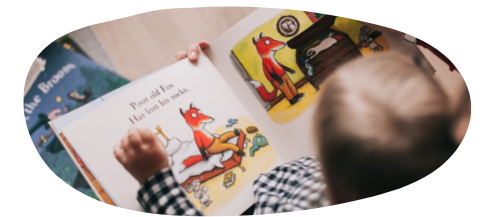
138 45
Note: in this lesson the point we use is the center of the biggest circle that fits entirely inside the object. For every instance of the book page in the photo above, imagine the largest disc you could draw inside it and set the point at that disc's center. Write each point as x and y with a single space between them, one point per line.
276 61
164 102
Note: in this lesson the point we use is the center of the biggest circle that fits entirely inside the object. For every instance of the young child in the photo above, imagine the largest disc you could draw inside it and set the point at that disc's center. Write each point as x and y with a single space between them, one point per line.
383 125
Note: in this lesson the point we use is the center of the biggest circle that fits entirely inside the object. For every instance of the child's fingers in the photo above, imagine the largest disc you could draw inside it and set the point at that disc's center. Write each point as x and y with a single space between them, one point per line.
134 138
147 136
203 45
192 52
118 152
179 56
126 147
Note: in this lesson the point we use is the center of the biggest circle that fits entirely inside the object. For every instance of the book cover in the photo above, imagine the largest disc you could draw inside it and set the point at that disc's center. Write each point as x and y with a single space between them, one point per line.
67 42
66 81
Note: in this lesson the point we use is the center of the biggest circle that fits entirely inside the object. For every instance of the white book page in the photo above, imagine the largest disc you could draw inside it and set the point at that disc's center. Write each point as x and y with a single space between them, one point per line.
157 101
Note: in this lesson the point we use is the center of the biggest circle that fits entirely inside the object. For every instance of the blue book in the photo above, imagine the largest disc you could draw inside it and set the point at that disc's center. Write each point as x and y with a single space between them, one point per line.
67 81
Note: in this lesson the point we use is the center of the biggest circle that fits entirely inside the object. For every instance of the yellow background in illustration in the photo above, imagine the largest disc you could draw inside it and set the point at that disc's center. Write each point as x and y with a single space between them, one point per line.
264 159
247 54
246 51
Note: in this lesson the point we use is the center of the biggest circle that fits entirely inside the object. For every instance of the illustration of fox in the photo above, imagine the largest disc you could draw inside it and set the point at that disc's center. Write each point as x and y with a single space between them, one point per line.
205 141
274 71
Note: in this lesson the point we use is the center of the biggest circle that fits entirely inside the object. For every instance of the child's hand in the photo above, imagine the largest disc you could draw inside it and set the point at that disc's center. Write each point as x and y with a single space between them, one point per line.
141 154
192 52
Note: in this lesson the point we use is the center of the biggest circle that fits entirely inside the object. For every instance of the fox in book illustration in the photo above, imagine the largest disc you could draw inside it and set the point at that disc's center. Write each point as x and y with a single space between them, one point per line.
206 142
275 72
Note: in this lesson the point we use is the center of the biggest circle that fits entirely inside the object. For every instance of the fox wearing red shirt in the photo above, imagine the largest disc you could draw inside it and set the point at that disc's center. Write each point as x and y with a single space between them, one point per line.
274 71
205 141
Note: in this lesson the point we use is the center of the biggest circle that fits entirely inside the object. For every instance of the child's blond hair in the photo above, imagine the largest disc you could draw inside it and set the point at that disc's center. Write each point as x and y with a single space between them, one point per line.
381 124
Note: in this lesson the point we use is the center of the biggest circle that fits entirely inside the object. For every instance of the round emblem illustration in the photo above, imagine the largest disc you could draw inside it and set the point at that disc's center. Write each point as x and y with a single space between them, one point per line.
288 25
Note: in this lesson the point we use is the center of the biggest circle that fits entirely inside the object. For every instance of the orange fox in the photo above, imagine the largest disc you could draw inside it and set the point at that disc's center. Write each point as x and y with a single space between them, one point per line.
274 71
205 141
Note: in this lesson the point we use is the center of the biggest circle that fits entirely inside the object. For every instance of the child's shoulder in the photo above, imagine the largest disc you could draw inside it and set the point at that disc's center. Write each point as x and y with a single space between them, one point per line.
301 179
301 163
305 166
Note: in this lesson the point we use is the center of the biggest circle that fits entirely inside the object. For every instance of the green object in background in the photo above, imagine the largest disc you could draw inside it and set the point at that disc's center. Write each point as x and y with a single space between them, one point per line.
67 42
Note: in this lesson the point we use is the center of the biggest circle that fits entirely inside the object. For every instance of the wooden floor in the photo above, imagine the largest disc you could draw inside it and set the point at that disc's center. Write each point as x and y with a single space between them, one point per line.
144 43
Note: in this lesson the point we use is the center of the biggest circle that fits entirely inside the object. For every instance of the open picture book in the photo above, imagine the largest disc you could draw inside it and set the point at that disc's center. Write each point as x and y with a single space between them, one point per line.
254 89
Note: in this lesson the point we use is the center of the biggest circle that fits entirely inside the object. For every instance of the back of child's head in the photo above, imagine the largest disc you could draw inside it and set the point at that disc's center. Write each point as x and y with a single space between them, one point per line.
381 124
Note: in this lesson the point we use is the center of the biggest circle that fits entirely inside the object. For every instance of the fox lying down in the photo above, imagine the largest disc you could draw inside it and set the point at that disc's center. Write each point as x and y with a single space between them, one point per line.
206 142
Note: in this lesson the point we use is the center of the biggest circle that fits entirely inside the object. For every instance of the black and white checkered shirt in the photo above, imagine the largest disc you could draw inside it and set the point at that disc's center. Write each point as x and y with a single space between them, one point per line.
297 185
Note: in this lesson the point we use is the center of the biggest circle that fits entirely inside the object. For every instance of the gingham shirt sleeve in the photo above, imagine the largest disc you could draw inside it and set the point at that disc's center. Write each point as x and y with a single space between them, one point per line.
161 193
297 185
